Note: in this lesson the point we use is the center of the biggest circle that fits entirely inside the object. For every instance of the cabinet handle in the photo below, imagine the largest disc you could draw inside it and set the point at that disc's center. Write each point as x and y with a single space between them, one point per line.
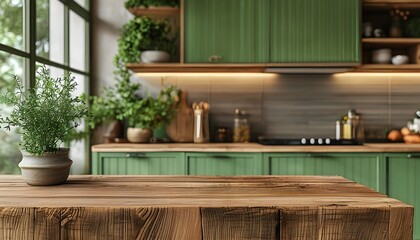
221 157
317 155
135 155
410 155
215 58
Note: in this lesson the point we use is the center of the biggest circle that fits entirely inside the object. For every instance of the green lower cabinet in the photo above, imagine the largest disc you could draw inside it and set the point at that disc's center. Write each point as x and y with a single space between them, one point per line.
153 163
404 182
367 169
227 164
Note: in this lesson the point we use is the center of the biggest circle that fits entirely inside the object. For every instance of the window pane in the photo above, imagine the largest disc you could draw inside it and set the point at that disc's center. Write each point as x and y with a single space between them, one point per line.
77 41
50 30
11 23
78 148
10 155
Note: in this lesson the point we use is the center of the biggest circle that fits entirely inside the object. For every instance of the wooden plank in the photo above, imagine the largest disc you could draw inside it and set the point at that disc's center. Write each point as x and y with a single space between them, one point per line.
399 41
334 222
154 11
16 223
240 223
399 227
131 223
47 223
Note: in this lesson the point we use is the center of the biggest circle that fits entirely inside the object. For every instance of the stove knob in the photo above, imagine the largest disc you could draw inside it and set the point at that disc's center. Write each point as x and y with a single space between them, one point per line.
327 141
303 141
312 141
320 141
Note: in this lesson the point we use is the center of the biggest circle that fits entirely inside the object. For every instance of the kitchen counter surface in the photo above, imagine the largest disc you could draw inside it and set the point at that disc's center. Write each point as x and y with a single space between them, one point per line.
250 147
200 207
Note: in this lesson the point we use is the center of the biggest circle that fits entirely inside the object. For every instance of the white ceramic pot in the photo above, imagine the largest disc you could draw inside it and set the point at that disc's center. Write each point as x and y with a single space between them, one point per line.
139 135
152 56
48 169
381 56
400 59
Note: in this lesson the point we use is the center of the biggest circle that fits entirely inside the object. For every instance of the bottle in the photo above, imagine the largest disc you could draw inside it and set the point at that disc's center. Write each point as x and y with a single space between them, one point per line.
198 126
241 128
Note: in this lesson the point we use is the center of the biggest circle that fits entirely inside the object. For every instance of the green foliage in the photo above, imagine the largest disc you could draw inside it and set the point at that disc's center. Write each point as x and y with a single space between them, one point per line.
111 104
47 114
147 3
413 27
144 33
151 112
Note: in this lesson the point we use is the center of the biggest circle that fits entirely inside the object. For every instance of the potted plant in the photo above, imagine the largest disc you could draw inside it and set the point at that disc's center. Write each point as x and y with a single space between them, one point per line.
147 40
46 116
148 3
149 113
110 106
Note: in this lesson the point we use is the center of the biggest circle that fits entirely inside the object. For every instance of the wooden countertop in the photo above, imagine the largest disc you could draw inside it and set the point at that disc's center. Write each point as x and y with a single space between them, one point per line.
198 207
250 147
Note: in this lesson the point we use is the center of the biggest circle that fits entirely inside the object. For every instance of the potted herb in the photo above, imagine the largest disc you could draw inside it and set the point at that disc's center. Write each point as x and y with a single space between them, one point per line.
147 40
148 3
110 106
149 113
46 116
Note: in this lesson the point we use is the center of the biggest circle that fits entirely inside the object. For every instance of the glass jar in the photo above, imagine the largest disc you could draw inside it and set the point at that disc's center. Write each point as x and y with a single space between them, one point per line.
241 128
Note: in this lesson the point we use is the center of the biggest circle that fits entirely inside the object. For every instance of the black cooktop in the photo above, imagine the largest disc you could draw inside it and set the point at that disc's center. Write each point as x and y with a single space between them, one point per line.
308 141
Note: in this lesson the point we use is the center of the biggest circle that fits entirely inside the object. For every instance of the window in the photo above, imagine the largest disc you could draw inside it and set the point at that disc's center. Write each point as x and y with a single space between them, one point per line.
55 33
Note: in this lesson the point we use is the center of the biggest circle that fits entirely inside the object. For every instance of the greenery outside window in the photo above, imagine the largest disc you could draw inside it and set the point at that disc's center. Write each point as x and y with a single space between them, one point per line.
55 33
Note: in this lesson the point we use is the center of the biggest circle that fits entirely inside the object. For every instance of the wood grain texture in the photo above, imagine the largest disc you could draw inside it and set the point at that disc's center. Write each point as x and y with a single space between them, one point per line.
200 207
250 147
240 223
47 223
16 223
130 223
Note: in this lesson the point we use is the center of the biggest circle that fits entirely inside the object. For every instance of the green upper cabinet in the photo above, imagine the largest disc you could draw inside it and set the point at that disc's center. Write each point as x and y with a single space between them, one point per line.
139 163
314 31
226 164
404 182
365 168
226 31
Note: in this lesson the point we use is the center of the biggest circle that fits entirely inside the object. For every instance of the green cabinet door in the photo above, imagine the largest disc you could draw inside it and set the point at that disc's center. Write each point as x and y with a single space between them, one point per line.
314 31
228 164
156 163
368 169
404 182
226 31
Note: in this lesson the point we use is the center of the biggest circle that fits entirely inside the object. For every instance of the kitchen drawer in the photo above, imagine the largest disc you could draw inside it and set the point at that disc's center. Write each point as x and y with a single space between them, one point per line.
134 163
226 164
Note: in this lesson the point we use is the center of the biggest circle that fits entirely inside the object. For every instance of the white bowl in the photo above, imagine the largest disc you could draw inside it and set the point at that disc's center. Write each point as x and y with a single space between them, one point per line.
382 56
154 56
400 59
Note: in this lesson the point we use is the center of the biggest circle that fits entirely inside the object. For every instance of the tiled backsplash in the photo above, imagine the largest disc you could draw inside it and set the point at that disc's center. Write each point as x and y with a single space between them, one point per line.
291 106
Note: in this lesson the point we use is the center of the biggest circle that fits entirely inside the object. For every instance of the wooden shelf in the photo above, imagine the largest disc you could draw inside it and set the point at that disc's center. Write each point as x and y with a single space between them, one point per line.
179 67
392 41
388 68
389 4
154 11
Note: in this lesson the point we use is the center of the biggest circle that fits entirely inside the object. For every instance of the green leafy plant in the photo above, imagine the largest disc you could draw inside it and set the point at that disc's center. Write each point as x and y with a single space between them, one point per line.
47 114
143 33
147 3
150 112
413 27
112 102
